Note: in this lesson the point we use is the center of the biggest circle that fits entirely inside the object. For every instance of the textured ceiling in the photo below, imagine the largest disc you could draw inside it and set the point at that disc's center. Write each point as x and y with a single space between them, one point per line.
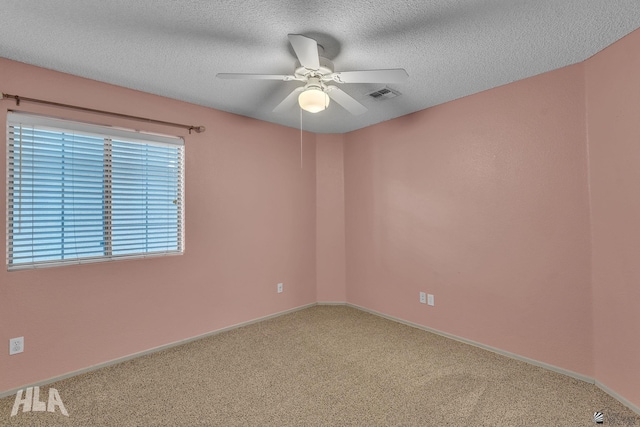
450 48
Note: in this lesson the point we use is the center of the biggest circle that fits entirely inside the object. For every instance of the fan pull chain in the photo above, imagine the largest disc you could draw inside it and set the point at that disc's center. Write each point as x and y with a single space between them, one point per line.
300 138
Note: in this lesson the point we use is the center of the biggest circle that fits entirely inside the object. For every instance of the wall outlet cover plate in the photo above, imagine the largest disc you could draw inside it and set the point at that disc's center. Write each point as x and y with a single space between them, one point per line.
16 345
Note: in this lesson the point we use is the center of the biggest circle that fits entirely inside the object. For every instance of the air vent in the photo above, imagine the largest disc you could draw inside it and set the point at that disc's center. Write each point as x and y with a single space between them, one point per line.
384 93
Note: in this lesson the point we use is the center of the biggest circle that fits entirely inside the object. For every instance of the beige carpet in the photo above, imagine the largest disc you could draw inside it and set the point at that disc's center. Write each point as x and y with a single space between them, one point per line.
324 366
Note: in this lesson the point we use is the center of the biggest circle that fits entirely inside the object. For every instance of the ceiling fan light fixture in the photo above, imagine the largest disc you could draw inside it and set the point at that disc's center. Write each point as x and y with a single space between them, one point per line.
315 72
313 100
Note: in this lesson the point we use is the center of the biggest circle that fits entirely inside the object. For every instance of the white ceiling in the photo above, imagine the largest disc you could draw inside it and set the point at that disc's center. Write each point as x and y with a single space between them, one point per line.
450 48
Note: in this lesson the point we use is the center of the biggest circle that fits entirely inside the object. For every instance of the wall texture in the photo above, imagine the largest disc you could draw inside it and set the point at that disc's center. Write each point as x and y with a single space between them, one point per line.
613 107
330 235
250 223
484 203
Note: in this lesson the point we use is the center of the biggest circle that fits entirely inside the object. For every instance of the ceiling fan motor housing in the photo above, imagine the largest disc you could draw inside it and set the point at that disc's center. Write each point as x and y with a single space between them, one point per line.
326 68
315 83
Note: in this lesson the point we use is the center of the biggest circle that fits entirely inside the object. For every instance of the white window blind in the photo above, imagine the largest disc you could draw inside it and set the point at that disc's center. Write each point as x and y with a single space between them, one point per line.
86 193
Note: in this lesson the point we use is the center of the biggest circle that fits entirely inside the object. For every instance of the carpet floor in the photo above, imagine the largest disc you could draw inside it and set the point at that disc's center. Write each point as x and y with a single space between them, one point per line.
323 366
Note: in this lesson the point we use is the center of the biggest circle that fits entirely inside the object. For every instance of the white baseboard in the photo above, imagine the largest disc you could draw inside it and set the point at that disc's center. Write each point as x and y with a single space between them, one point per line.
563 371
619 398
152 350
482 346
337 303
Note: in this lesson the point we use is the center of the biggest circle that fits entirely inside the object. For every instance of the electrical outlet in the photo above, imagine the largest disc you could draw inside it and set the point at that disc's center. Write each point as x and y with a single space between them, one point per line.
280 285
430 300
423 298
16 345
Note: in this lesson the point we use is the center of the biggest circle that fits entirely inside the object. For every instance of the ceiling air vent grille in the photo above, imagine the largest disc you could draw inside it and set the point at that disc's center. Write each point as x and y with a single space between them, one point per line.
384 93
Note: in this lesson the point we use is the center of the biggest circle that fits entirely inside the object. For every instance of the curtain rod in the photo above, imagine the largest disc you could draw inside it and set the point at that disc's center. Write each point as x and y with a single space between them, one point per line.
18 99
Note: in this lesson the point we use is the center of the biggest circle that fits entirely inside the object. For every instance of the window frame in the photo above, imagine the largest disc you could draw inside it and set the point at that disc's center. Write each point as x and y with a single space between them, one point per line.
108 134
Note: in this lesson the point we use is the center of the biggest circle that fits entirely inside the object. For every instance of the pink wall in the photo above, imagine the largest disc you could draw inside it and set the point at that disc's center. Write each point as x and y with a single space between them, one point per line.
250 223
613 107
330 234
484 203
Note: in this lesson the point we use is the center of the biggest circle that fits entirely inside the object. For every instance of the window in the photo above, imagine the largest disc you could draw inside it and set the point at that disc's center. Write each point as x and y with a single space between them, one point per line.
85 193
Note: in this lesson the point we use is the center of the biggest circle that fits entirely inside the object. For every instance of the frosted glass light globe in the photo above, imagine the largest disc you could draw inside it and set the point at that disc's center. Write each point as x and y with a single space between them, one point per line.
313 100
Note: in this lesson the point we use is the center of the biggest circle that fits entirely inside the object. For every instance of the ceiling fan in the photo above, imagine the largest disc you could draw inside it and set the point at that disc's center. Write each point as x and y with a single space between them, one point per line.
316 72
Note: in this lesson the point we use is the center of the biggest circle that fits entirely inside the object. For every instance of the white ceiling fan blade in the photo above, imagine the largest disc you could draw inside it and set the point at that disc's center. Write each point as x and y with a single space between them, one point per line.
306 50
289 101
346 101
243 76
396 75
